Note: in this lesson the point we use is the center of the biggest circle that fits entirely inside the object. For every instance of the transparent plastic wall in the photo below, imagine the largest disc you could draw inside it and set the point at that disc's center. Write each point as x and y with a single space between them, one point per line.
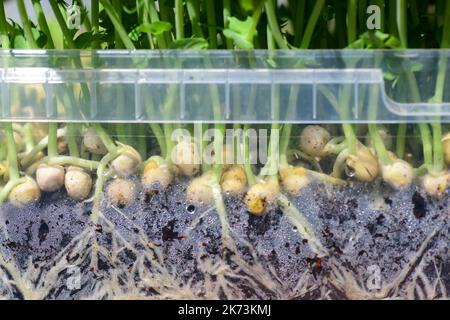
222 86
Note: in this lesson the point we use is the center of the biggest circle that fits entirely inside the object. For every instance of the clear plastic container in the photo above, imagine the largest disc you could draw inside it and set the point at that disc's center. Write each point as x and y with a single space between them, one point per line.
251 87
333 223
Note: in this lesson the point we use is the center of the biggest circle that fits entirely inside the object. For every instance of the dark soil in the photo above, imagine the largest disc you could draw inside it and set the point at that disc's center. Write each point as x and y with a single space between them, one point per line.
363 230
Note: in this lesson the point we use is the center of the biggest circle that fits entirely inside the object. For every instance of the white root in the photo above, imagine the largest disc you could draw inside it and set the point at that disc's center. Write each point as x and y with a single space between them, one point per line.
345 281
305 230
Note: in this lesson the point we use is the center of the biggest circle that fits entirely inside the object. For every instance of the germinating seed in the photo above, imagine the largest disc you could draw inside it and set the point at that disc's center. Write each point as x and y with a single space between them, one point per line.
354 207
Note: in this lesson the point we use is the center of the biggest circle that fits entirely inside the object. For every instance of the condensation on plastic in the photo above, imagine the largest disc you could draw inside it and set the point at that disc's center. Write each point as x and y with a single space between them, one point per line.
295 86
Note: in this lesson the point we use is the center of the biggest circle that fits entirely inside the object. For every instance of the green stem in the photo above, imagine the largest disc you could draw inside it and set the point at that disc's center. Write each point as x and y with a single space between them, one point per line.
300 7
273 24
28 136
165 15
12 183
393 29
436 126
203 127
159 135
193 12
106 139
115 19
218 149
375 136
154 17
341 24
74 161
344 113
275 127
212 23
95 22
29 157
427 144
3 152
72 139
26 24
438 152
42 21
352 20
168 129
97 199
52 139
68 36
402 27
141 143
350 137
362 16
401 140
4 28
247 165
378 144
179 19
13 165
317 10
226 22
118 10
402 23
415 17
380 4
295 89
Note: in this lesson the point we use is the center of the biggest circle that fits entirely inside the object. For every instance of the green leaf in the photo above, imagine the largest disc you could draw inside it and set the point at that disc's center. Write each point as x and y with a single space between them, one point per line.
375 40
381 36
85 39
389 76
393 43
357 44
134 34
41 41
189 44
156 28
238 31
